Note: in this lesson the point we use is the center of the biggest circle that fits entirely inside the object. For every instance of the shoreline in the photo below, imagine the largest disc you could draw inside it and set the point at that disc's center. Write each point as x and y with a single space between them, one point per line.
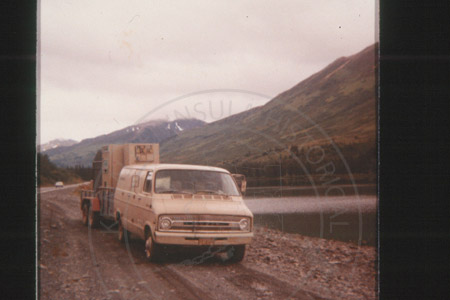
322 190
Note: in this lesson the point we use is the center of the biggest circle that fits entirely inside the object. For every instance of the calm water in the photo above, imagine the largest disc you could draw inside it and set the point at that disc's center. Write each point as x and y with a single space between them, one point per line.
346 218
318 190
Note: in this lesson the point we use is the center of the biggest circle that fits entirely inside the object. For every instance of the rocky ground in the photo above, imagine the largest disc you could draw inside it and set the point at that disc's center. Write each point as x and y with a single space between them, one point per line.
76 262
332 269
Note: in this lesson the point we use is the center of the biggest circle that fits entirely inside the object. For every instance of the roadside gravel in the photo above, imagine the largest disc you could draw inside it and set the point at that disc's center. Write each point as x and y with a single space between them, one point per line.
80 263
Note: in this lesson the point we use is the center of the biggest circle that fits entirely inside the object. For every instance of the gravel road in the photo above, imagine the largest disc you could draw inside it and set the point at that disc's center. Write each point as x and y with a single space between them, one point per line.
76 262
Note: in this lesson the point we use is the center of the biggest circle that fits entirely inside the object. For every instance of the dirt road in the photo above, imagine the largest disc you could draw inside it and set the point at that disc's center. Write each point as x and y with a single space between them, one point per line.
76 262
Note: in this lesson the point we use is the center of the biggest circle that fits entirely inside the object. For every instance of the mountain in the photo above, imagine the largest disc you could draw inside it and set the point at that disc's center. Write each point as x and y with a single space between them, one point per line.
331 114
83 153
55 144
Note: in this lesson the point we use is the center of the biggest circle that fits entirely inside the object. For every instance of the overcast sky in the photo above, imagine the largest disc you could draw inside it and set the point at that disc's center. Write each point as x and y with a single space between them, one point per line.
105 65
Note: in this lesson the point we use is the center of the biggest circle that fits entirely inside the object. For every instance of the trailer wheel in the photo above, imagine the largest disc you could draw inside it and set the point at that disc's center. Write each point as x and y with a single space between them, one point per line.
121 232
152 249
85 212
93 218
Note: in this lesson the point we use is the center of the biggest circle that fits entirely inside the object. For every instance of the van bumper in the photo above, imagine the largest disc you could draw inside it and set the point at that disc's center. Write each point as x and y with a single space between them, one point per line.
192 239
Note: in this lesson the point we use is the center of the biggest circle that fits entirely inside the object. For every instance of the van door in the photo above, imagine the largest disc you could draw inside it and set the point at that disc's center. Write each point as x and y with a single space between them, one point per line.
147 190
123 196
133 205
140 201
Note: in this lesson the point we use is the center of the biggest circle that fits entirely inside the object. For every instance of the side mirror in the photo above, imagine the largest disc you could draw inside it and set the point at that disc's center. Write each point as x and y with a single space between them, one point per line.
243 186
240 182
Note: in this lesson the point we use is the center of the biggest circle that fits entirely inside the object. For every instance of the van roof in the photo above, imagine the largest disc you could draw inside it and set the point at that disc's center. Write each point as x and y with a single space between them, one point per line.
156 167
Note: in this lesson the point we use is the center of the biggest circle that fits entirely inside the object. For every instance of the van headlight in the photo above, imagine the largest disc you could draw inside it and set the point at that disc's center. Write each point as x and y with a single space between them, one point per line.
165 223
244 224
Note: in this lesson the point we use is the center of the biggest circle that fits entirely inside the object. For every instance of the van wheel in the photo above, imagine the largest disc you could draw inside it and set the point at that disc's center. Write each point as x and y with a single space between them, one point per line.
235 253
85 211
93 218
152 249
121 232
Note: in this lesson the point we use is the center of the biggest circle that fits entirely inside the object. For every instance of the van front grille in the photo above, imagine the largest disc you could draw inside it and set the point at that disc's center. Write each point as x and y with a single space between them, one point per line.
204 223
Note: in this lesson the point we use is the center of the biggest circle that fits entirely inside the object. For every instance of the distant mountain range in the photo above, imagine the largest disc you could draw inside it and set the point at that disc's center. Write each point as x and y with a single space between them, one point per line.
328 117
83 153
55 144
334 109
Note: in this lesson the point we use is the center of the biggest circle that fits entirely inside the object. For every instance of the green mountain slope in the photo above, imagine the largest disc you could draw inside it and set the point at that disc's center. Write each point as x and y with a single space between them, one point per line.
330 116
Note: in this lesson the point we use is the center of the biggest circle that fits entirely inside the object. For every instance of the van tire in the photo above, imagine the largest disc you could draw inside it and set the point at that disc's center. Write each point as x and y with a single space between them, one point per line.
85 212
93 218
235 253
152 249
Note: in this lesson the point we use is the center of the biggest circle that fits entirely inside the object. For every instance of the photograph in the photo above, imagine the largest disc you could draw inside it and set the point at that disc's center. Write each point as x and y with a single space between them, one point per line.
207 149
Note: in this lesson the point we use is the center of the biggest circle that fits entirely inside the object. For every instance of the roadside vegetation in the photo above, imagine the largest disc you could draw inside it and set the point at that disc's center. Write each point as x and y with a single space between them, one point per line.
49 173
269 167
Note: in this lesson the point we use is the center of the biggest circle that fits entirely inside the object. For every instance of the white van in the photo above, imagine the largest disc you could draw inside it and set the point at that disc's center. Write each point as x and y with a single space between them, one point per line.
190 205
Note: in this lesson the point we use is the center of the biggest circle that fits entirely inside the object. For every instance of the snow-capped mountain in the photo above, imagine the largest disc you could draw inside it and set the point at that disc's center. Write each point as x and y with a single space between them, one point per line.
83 152
55 144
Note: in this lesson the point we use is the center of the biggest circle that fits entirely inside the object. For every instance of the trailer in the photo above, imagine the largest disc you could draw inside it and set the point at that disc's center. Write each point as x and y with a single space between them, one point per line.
98 203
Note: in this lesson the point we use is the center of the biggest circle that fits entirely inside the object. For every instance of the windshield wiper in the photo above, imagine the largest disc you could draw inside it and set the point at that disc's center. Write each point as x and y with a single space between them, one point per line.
173 192
210 192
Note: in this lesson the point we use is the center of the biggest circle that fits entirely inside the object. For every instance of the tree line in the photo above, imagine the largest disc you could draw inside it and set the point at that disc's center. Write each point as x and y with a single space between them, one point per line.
297 165
49 173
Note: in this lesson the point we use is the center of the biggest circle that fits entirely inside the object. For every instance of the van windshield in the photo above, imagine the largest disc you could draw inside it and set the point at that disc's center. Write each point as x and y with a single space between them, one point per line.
195 182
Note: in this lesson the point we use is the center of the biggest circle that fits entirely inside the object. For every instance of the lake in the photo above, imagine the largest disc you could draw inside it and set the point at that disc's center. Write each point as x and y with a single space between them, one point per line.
346 218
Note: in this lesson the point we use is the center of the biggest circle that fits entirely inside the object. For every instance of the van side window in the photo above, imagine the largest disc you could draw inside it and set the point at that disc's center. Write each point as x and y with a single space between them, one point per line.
148 182
134 181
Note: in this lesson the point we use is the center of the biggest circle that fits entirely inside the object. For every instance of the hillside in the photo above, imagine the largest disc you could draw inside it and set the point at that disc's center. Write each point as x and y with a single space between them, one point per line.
48 173
83 152
334 109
